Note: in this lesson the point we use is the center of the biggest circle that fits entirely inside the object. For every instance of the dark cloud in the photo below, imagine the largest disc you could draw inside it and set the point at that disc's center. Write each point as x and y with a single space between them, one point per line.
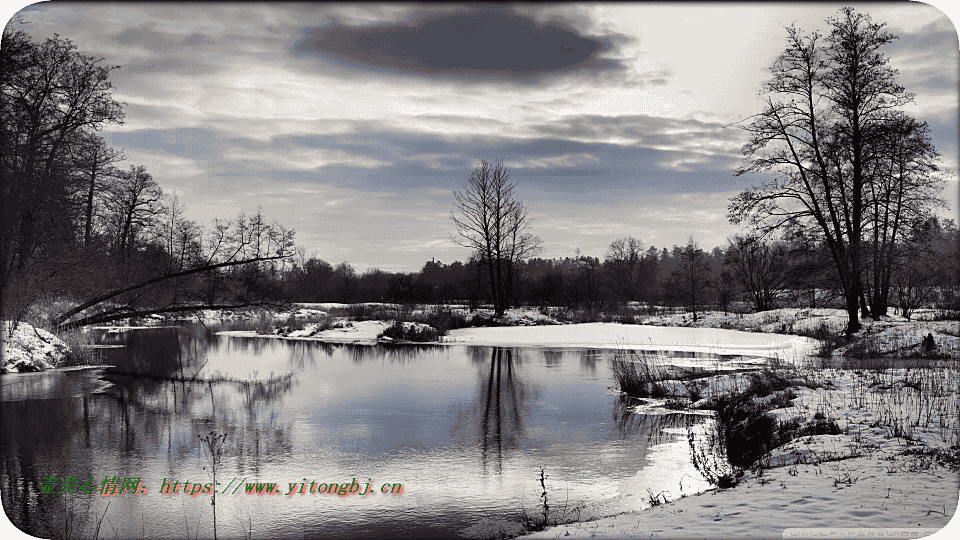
145 36
643 130
474 42
652 155
195 143
921 57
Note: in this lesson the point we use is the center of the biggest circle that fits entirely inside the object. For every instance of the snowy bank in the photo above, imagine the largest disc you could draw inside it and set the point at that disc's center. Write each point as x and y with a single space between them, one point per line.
626 336
890 335
27 349
359 332
891 472
852 494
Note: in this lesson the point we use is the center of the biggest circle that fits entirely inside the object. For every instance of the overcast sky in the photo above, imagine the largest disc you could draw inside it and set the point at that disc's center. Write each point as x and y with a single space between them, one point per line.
354 124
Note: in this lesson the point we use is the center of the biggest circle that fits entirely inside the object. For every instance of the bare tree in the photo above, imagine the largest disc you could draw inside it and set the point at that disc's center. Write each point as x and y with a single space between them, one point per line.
49 94
692 276
492 222
94 162
222 248
761 268
344 281
589 277
135 202
624 264
828 103
904 189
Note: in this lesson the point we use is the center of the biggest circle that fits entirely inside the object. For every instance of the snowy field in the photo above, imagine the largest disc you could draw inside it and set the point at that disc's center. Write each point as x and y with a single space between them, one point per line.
625 336
890 334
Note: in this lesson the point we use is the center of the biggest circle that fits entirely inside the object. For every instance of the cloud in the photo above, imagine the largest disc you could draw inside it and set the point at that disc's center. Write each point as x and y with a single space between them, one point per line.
564 160
469 42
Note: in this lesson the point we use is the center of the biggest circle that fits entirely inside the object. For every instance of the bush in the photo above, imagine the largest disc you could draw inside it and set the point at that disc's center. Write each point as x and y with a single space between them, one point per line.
400 331
748 431
444 320
766 382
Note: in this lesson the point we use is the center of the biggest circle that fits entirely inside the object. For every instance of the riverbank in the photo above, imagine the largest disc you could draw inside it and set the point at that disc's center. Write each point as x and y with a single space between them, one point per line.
792 333
892 470
27 349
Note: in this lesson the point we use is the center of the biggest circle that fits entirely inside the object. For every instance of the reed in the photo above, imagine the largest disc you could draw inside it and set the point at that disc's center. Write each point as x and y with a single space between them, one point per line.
641 374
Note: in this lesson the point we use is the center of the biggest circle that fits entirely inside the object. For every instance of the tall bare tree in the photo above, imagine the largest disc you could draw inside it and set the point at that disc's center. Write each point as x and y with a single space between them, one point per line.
135 203
903 190
49 95
94 160
493 223
692 275
828 103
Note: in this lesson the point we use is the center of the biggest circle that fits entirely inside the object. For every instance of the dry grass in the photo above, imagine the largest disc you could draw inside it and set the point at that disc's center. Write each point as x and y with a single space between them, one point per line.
641 374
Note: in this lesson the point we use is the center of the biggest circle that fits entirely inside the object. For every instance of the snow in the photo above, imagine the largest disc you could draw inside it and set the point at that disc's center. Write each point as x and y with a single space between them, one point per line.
859 483
814 497
890 334
625 336
362 332
27 349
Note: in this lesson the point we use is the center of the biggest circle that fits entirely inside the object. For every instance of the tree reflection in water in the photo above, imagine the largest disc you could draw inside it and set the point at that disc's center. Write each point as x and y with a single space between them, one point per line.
500 407
158 399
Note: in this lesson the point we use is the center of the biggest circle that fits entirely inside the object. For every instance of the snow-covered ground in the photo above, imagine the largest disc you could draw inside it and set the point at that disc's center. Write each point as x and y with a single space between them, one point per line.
891 334
626 336
858 497
859 484
26 349
345 332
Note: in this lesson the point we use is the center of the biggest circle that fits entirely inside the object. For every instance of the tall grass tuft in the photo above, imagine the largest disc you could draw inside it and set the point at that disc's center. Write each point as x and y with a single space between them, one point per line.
639 375
82 352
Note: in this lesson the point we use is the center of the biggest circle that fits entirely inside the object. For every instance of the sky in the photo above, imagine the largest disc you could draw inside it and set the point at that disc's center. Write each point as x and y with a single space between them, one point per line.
354 124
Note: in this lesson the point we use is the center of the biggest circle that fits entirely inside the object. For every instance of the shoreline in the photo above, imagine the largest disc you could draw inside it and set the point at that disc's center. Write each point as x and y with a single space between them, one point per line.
800 332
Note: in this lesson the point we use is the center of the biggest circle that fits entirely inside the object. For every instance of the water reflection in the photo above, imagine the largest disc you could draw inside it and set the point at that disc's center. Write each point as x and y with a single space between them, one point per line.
590 357
646 427
502 400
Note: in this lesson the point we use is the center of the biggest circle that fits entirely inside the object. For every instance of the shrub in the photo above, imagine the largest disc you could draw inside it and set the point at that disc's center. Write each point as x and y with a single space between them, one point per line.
444 320
749 432
400 331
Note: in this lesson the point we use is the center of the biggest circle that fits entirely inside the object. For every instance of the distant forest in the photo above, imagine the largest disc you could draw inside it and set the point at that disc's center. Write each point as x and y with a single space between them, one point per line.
746 274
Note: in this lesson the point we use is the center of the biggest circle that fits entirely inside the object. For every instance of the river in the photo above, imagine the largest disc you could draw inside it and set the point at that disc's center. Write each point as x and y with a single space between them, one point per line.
450 439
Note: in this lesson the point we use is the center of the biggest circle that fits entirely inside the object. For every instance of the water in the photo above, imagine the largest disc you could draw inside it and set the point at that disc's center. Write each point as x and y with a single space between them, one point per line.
463 430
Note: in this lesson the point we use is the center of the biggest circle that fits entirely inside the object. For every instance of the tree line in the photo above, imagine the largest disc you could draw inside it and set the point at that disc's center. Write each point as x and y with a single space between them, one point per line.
77 225
749 273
